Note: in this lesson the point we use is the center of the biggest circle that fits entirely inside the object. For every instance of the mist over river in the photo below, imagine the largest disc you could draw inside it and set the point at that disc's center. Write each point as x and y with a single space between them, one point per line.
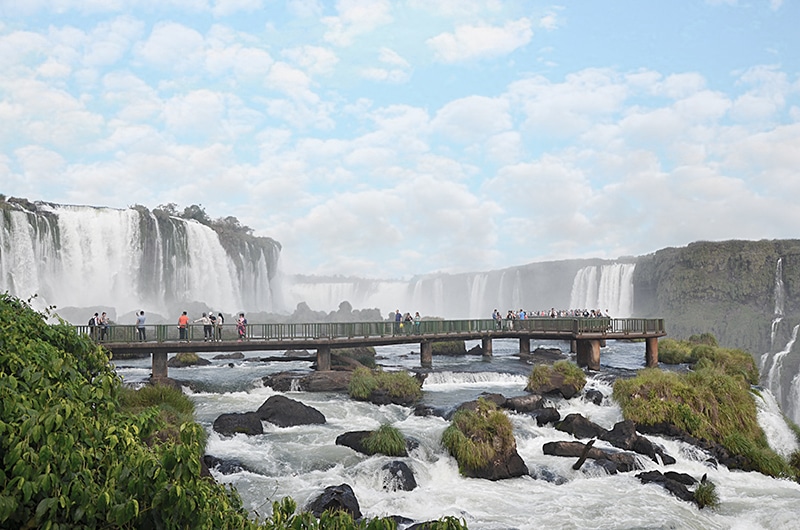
301 461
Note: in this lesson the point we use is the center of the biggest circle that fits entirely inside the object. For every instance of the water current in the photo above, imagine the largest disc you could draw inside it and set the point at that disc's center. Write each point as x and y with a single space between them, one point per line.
301 461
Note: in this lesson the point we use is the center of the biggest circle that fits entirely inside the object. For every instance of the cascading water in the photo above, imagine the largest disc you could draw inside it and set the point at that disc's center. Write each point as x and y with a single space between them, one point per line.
604 287
301 461
77 256
780 300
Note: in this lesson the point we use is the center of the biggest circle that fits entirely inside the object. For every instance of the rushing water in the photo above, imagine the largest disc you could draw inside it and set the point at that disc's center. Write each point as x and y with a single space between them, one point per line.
301 461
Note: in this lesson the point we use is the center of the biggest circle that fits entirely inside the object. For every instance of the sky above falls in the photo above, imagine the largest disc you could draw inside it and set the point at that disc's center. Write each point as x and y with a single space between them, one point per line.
386 139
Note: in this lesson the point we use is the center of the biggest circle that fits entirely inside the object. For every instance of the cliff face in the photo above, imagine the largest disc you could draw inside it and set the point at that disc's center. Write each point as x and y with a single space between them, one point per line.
733 289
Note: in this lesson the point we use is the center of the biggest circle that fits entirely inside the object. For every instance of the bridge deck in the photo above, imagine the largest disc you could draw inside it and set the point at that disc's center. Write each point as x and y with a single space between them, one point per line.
164 338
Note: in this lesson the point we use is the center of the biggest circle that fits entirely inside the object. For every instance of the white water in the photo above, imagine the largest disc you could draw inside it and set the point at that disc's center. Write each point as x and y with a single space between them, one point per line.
301 461
78 256
604 287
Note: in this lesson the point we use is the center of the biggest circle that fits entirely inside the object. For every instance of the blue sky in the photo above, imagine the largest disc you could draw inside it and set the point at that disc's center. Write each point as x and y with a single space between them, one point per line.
387 139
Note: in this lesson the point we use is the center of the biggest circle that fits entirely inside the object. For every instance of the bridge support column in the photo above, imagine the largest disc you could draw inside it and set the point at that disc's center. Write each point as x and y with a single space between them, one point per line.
589 354
426 354
524 346
159 370
573 346
324 358
486 346
651 352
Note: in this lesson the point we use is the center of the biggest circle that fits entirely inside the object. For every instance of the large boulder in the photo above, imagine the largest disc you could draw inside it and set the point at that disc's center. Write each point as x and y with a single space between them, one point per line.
618 461
526 403
317 381
238 423
545 415
580 427
183 359
285 412
398 476
335 498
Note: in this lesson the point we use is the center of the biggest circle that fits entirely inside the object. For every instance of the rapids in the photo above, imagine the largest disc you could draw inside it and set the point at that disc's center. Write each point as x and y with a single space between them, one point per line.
301 461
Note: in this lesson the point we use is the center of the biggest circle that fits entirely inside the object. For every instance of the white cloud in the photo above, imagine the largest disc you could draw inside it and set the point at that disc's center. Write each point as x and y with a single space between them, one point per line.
315 59
174 47
473 118
483 41
223 8
356 18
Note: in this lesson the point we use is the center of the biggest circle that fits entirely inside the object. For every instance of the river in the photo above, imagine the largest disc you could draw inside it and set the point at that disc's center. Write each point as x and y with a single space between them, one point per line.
301 461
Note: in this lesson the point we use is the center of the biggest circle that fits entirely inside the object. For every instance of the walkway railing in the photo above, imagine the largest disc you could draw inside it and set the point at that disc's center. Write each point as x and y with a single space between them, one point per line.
350 330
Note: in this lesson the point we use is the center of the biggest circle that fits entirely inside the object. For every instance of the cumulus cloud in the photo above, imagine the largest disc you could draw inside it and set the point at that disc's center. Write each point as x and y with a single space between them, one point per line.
172 46
482 41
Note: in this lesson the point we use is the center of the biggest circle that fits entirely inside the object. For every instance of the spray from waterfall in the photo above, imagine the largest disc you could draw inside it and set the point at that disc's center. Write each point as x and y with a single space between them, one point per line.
604 287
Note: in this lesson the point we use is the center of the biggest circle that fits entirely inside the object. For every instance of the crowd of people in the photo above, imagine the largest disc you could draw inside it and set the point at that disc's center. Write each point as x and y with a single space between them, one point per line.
513 315
212 326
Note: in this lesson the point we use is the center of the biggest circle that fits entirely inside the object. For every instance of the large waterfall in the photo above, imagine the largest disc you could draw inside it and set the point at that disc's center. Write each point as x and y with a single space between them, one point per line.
604 287
131 259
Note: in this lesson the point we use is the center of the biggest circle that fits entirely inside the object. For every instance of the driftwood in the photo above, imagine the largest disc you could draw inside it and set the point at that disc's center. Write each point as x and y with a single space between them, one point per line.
577 465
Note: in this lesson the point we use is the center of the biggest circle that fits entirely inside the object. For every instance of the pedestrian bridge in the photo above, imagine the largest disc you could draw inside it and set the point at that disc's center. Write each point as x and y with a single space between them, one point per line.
586 335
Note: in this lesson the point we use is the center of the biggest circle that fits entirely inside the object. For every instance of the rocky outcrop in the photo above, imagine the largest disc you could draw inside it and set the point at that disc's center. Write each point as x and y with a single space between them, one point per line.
335 498
184 359
580 427
317 381
285 412
675 483
232 356
624 436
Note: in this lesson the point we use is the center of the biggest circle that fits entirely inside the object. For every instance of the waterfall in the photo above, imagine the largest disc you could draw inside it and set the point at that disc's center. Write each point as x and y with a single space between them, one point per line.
773 365
604 287
130 259
780 297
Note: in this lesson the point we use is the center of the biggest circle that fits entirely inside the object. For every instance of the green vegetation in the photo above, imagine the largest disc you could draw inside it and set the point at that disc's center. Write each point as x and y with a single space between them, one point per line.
542 375
285 518
706 495
713 402
81 451
387 440
475 437
397 384
450 347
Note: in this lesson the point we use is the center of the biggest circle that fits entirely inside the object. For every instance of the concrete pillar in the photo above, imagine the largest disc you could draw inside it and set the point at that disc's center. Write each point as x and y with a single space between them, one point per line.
524 346
159 365
589 354
651 352
426 354
486 346
324 358
573 346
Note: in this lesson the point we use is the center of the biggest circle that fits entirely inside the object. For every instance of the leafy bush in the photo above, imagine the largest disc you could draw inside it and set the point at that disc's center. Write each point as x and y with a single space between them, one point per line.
671 351
73 458
474 437
387 440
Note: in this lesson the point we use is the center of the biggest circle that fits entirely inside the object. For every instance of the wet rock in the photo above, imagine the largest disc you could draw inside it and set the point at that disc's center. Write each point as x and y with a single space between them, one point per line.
238 423
545 415
285 412
524 403
580 427
399 476
334 498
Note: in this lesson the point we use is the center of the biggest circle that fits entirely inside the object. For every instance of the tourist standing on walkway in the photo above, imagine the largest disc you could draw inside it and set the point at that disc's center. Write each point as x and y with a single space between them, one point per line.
140 326
241 327
183 323
417 318
398 322
93 323
220 323
207 329
103 323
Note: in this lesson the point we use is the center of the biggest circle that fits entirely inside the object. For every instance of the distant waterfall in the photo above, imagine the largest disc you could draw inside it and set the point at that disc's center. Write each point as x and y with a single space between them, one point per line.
780 299
131 259
604 287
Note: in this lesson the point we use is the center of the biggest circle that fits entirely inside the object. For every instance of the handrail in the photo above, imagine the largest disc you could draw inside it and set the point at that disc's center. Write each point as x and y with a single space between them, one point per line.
349 330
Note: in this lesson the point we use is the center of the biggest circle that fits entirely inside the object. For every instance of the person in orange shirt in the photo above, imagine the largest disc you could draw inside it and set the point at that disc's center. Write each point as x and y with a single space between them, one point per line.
183 323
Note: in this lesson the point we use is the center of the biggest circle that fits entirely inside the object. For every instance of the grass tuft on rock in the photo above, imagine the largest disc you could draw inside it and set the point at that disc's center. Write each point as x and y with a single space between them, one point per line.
706 495
386 440
399 384
474 437
542 374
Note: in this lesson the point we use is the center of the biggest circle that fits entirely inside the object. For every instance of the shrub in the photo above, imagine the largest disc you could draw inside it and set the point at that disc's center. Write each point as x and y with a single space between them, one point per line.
542 374
671 351
387 440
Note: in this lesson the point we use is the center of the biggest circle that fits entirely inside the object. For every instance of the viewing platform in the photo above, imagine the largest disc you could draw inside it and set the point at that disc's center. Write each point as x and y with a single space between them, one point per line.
586 336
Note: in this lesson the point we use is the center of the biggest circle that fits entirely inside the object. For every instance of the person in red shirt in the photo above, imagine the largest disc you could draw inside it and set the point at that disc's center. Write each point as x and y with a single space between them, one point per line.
183 323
